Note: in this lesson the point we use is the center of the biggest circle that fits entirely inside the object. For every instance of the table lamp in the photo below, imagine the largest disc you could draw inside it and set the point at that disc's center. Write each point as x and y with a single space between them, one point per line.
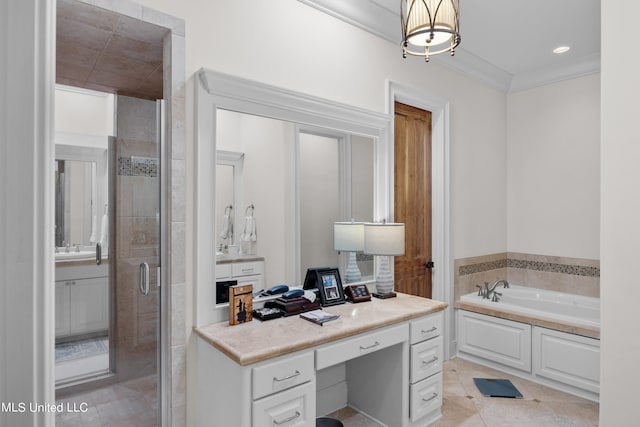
384 239
349 237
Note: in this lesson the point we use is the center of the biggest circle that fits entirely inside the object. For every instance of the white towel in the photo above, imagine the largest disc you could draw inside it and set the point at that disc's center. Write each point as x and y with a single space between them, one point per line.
104 231
227 227
249 232
94 230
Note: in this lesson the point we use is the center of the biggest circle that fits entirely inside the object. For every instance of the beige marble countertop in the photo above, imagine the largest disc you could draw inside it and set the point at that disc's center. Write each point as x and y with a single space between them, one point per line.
79 262
256 341
226 259
585 331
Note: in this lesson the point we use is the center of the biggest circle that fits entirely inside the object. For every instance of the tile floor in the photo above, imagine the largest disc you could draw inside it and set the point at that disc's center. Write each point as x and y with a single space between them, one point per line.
129 404
464 406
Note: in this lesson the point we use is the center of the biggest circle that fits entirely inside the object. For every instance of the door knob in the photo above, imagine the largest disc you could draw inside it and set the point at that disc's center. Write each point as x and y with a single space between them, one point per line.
428 265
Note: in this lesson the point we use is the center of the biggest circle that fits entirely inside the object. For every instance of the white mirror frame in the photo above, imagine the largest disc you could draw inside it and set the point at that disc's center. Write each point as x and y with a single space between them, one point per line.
216 90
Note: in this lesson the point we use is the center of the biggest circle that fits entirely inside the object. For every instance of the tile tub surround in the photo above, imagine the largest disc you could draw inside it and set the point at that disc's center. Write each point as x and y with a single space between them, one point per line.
562 274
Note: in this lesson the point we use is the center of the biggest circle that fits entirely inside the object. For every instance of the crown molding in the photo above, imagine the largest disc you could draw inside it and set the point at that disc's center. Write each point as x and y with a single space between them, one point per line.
372 17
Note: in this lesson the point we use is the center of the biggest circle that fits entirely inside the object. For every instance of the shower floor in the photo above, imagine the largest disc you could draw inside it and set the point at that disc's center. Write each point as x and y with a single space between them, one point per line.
81 359
132 403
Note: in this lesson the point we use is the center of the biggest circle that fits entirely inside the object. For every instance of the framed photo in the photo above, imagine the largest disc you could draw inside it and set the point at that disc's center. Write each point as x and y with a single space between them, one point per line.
329 286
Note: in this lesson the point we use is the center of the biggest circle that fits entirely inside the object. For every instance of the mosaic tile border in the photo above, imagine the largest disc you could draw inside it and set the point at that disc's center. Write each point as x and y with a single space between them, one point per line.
482 266
550 267
138 166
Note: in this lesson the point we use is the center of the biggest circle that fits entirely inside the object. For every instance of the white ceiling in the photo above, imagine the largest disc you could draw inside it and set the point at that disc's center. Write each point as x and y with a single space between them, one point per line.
507 43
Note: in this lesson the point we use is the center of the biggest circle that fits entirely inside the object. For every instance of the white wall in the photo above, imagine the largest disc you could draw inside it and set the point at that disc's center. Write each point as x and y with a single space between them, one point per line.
80 111
553 169
620 234
300 48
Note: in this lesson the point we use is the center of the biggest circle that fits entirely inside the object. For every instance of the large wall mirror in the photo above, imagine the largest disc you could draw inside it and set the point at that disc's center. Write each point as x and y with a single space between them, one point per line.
80 198
296 181
306 163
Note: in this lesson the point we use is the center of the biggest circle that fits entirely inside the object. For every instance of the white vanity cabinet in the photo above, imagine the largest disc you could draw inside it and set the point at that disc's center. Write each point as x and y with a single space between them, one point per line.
278 391
284 392
82 301
244 271
387 353
425 371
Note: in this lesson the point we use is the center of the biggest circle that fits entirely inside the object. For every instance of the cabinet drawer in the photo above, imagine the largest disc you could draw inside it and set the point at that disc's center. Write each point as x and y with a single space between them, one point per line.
426 327
281 375
354 347
255 281
425 397
223 271
293 407
426 359
246 268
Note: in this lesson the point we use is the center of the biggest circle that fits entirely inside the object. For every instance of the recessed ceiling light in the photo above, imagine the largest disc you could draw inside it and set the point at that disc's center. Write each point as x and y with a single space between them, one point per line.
561 49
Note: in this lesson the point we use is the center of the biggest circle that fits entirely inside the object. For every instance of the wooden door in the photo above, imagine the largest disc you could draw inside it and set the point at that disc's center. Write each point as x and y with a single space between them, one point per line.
412 198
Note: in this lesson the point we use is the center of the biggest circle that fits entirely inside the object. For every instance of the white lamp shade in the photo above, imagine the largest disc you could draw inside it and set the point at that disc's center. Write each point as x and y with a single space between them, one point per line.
384 239
348 236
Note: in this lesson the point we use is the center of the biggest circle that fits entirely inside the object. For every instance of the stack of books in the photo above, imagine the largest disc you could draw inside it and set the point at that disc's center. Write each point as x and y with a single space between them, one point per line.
319 317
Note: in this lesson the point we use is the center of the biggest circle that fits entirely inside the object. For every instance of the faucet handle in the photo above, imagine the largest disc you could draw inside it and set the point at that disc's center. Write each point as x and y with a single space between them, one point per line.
480 290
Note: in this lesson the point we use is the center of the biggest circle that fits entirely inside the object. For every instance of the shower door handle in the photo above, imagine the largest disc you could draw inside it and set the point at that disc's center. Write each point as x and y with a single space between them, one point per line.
144 278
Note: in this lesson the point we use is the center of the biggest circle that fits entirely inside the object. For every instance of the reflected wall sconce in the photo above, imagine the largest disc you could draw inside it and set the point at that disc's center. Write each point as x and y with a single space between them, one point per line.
429 27
384 239
349 237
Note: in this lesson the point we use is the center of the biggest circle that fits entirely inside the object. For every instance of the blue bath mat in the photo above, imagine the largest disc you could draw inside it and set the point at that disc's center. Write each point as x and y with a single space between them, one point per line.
497 388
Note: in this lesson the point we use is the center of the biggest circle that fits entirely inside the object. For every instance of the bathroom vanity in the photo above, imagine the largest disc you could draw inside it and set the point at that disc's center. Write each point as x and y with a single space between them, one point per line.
382 358
82 295
239 270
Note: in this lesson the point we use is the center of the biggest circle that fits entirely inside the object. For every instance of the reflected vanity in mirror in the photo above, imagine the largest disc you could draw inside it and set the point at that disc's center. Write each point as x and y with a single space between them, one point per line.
80 209
307 163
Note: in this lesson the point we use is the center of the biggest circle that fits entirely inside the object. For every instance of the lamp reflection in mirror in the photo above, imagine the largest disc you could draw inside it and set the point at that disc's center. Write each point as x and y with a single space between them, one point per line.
384 240
349 237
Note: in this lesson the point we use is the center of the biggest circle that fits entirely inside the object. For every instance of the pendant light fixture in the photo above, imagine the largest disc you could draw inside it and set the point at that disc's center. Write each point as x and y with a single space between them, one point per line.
429 27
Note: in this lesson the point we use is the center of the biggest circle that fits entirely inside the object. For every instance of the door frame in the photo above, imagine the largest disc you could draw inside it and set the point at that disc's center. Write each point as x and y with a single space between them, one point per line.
27 84
442 285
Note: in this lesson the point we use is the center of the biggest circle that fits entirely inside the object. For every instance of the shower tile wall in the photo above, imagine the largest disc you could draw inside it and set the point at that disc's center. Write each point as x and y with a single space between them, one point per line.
562 274
137 237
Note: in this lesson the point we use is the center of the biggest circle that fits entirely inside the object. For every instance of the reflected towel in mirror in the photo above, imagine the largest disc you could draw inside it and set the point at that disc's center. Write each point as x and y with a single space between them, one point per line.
227 224
249 232
104 231
94 230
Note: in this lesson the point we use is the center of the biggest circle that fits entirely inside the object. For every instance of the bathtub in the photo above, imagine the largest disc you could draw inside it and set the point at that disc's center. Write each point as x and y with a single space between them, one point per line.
540 303
548 337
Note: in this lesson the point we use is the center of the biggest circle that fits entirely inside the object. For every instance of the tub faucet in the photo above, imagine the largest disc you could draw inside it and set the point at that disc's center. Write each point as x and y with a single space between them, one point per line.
488 290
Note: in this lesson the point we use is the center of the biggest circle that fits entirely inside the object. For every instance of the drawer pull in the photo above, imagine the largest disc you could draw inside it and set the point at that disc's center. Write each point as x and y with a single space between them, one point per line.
375 344
435 358
429 399
288 377
247 270
433 329
291 418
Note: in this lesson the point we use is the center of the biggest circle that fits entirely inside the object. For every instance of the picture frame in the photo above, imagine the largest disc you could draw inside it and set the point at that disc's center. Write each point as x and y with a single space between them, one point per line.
329 286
